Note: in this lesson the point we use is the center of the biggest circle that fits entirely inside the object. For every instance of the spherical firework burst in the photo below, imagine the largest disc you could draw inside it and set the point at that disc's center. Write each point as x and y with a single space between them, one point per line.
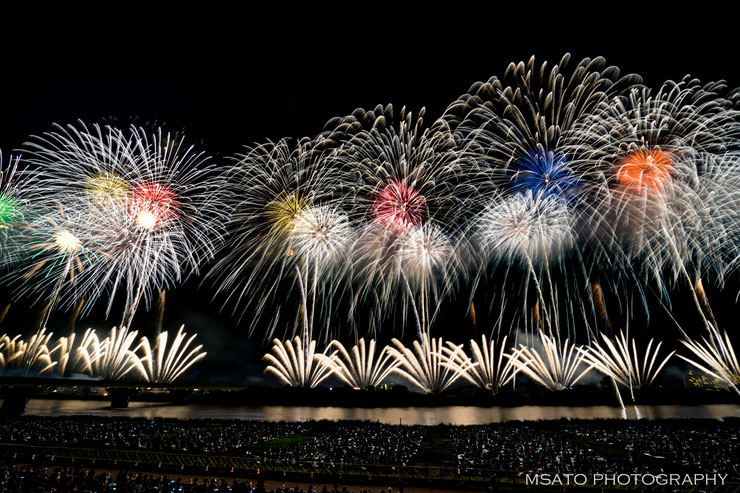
404 182
527 228
12 205
517 123
285 229
152 206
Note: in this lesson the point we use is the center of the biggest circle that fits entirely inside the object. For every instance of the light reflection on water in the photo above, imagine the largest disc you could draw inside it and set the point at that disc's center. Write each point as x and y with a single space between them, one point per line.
460 415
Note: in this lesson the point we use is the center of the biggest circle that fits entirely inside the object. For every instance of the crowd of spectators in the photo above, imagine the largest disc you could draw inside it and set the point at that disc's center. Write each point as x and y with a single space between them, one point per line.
356 443
638 448
39 479
715 448
194 437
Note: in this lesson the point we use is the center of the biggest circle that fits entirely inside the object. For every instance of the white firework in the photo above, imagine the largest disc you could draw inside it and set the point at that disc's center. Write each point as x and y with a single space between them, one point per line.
621 361
716 357
558 370
112 358
165 364
299 367
31 355
361 367
426 366
490 367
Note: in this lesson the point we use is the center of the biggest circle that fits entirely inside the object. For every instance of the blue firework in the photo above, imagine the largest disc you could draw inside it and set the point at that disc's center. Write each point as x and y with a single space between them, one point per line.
544 172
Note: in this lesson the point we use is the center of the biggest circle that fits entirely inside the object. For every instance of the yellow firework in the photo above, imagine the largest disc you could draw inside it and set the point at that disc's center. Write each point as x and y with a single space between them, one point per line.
106 188
283 211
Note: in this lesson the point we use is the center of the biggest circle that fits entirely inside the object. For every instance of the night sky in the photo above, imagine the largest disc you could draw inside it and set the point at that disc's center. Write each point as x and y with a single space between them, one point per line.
232 79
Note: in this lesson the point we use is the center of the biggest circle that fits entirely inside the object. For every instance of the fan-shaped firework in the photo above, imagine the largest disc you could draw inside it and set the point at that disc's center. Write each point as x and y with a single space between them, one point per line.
361 368
621 361
31 355
716 358
113 357
425 367
299 367
560 367
165 364
488 368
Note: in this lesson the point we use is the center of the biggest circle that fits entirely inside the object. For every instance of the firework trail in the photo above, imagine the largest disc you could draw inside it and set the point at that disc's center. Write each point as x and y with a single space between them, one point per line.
559 369
361 368
622 362
165 364
427 366
487 369
297 367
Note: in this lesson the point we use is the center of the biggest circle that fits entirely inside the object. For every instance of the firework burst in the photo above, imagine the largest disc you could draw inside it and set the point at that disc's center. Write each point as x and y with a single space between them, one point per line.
299 367
622 362
165 364
716 358
426 367
361 367
285 227
560 367
488 369
31 355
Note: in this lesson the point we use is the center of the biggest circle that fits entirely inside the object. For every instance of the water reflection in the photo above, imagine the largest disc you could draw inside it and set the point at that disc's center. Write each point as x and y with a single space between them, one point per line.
460 415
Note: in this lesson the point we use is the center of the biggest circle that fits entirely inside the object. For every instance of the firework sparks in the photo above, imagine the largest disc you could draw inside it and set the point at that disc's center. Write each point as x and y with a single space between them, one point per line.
297 367
425 366
621 361
165 364
361 368
488 369
558 370
31 355
717 358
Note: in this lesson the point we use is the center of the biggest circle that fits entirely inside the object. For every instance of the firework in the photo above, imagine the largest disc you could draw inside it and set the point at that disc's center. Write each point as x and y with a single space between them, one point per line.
31 355
717 358
531 230
285 226
426 367
560 368
405 188
362 369
516 124
165 364
298 367
651 157
488 369
112 358
622 362
151 205
11 210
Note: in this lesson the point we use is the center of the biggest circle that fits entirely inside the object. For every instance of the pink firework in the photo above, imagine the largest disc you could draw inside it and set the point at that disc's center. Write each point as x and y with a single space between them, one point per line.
399 207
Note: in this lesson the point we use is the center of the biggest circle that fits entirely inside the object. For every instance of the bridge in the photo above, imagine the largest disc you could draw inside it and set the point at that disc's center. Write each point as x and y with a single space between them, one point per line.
17 390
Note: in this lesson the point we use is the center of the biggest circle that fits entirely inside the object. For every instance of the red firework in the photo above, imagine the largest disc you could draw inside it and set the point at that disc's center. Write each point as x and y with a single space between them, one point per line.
399 207
153 204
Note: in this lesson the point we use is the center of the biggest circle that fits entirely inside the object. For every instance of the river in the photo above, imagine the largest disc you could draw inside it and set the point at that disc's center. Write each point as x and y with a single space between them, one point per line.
459 415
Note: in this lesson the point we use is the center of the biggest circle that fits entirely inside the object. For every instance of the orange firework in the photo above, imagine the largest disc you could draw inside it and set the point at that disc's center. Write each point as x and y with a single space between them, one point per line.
644 170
